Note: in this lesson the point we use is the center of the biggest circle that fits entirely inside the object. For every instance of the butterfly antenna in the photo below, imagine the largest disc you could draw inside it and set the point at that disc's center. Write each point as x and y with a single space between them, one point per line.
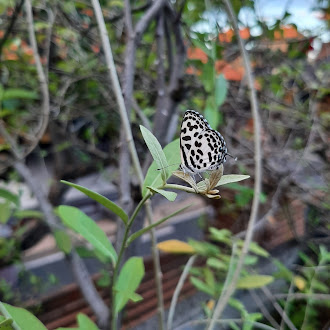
235 158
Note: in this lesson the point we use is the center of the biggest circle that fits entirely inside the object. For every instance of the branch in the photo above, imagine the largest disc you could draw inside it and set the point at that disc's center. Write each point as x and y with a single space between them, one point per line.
278 308
263 309
45 109
258 172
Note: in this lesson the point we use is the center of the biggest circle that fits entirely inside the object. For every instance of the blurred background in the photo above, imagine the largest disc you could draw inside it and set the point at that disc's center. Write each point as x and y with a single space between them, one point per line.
59 120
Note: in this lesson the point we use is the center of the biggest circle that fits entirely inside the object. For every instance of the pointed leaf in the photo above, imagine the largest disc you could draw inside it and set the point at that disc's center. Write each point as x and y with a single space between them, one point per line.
128 281
156 151
135 297
221 87
225 179
153 177
101 199
16 93
5 212
254 281
23 319
63 241
175 246
85 323
6 194
201 286
86 227
170 195
6 324
146 229
216 263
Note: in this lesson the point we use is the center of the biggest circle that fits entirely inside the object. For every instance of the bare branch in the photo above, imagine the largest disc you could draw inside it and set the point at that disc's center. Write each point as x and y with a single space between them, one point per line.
44 114
174 90
278 308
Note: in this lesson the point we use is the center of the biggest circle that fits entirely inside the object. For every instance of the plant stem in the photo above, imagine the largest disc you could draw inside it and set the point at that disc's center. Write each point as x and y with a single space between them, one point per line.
221 304
120 255
45 108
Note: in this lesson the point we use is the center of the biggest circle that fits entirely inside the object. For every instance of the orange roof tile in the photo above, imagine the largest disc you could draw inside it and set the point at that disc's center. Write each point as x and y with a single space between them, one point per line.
228 36
197 54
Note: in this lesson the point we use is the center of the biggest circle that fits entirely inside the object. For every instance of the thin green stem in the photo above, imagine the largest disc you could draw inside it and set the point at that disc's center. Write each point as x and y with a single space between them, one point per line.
120 256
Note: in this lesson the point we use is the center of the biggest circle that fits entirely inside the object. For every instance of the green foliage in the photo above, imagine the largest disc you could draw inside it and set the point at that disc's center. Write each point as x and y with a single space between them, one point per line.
156 151
153 176
63 241
86 227
169 195
100 199
128 281
22 318
254 281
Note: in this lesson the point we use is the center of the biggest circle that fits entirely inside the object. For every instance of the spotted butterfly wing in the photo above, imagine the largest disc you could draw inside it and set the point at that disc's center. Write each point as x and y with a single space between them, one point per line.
202 148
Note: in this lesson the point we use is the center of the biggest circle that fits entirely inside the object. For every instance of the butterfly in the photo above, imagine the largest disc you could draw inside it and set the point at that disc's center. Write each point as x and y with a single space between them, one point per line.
201 147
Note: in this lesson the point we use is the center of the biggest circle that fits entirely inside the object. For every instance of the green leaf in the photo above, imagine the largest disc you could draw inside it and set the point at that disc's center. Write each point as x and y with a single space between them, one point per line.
209 278
212 114
221 87
146 229
101 199
63 241
221 235
283 271
6 194
153 177
204 248
250 260
6 324
156 151
170 195
85 323
5 212
128 281
201 286
216 263
86 227
85 252
254 281
16 93
23 319
207 76
225 179
22 214
258 250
